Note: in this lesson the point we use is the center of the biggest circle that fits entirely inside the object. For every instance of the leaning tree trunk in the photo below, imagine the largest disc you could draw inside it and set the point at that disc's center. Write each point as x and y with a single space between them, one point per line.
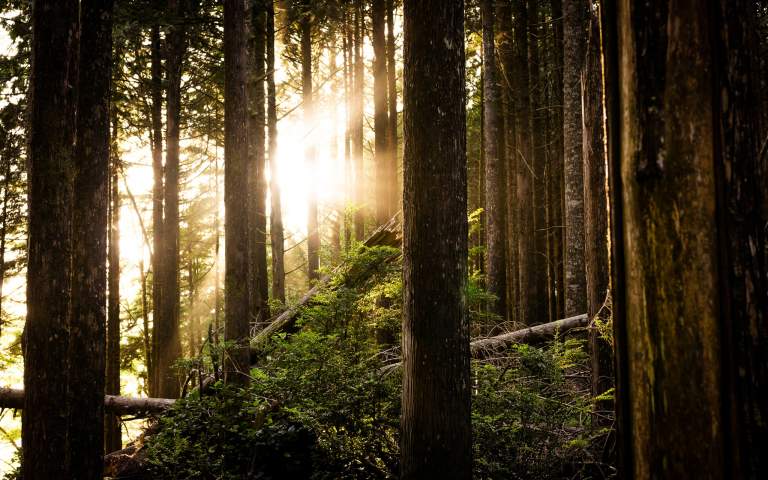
276 210
381 116
51 134
310 155
495 180
236 326
574 36
259 281
436 428
157 201
596 215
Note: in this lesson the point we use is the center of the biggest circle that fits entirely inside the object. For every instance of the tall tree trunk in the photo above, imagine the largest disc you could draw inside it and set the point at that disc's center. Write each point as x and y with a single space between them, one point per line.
507 57
741 184
313 233
87 327
597 267
555 174
436 427
540 314
381 115
348 102
574 36
276 211
259 277
495 179
236 327
4 231
670 282
51 134
169 338
357 123
113 440
157 203
524 168
148 359
338 206
394 192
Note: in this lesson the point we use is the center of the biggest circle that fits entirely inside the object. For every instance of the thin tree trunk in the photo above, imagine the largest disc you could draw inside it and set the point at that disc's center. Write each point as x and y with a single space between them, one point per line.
313 234
236 328
555 178
539 158
574 35
436 426
4 232
338 207
380 116
276 211
259 277
394 192
87 324
524 168
596 263
157 202
348 102
495 179
113 440
148 358
357 123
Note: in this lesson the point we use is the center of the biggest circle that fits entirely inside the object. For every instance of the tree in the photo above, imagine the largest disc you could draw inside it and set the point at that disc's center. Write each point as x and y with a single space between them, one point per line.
382 138
50 157
394 190
257 162
574 34
313 233
596 231
113 439
158 272
522 164
495 179
684 157
358 86
236 327
276 211
436 429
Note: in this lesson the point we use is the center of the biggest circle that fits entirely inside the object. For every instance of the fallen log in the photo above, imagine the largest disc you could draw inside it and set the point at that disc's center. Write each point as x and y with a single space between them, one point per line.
389 234
527 335
14 398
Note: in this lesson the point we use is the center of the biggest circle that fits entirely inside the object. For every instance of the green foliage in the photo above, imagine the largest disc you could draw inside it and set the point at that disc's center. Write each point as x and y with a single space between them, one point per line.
322 405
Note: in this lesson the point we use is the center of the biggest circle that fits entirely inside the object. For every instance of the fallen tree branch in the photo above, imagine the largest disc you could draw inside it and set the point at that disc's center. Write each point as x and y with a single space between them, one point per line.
527 335
14 398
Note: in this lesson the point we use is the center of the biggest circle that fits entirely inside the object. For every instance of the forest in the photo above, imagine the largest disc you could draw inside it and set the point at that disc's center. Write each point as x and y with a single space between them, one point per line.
378 239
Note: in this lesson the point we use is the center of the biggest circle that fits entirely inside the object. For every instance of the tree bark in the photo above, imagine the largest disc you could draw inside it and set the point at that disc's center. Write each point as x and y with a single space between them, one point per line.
117 405
157 201
113 440
524 169
236 328
381 116
310 155
436 427
574 35
50 161
741 189
675 420
276 211
357 124
259 278
394 192
87 322
167 328
597 266
495 180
